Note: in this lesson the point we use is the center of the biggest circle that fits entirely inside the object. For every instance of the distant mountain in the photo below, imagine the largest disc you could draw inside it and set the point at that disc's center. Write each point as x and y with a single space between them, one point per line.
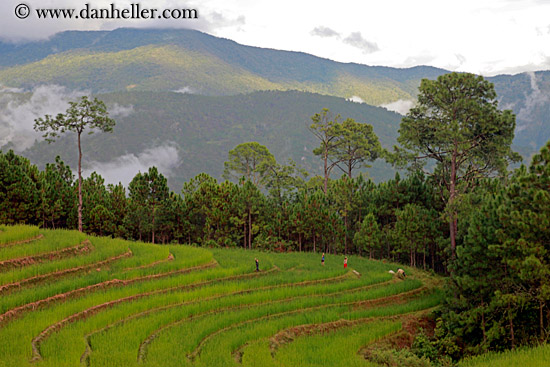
528 95
231 93
202 129
166 60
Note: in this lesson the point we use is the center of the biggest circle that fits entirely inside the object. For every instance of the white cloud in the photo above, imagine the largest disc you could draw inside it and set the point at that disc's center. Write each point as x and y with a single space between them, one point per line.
401 106
219 20
533 101
20 111
4 89
356 99
498 35
186 90
324 32
355 39
117 110
124 168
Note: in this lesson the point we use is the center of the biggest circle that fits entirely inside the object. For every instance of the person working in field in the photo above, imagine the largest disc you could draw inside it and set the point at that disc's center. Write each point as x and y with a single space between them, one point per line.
401 273
345 262
323 259
257 264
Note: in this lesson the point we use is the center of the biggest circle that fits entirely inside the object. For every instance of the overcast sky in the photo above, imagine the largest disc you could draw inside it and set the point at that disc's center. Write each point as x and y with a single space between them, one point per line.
481 36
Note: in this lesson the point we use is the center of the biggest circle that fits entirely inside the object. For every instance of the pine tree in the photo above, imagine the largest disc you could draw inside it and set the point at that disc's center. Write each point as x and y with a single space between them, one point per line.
80 116
20 187
147 195
58 204
457 125
368 238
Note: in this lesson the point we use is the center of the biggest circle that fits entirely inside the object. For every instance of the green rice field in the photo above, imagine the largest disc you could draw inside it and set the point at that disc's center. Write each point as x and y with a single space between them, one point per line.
525 357
68 299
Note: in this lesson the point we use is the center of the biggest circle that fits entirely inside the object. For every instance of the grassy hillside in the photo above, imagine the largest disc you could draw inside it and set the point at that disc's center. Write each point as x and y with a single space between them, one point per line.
218 71
525 357
144 68
164 60
204 129
119 303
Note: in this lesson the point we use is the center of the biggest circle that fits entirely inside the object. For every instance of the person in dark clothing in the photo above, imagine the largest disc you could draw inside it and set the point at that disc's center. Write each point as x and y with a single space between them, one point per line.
401 273
257 264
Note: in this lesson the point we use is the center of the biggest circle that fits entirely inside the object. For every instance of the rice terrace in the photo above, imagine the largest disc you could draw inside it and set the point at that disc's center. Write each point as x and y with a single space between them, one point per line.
366 185
69 299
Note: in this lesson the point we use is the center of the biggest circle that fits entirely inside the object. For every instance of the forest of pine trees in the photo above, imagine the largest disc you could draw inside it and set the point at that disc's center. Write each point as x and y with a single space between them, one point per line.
488 232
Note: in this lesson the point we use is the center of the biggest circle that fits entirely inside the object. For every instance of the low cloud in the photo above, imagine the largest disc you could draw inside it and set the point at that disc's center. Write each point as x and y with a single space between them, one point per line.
324 32
117 110
533 101
124 168
4 89
424 58
218 20
461 59
18 112
186 90
356 40
210 19
356 99
16 30
401 106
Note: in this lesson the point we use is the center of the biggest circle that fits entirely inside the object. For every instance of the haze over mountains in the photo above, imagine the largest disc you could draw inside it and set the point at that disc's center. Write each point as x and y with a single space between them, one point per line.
182 99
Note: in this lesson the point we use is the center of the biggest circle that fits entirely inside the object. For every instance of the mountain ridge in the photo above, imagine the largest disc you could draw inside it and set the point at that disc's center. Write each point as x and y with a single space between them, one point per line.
282 69
155 62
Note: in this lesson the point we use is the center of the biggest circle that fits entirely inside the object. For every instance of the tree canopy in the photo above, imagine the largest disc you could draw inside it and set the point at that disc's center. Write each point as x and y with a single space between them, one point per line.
251 160
80 116
457 124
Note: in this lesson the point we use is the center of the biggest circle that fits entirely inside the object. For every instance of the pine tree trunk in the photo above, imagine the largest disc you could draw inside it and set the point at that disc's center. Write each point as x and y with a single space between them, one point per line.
314 244
433 255
483 321
325 158
79 184
424 258
541 320
511 323
346 229
153 228
244 236
249 228
452 214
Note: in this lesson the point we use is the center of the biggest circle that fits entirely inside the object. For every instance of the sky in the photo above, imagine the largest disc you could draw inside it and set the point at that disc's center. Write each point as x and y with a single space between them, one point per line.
486 37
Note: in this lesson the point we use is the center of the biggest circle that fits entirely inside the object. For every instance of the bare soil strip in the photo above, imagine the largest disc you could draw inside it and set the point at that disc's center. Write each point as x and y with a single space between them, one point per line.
142 352
82 248
193 355
153 264
286 336
85 355
8 315
95 309
21 242
61 273
403 339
